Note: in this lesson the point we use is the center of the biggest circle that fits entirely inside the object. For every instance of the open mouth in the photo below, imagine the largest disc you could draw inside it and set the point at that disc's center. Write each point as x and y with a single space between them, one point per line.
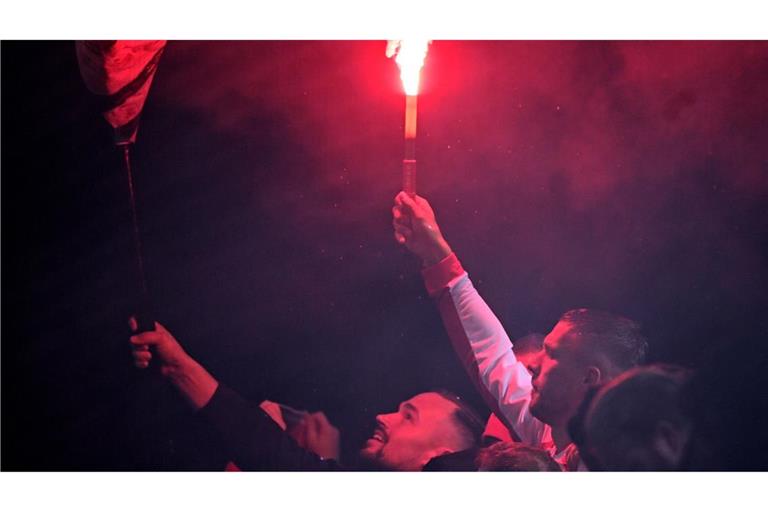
379 435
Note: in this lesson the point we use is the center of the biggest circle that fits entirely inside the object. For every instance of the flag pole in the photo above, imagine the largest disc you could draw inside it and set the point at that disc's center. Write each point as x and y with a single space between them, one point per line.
144 317
122 72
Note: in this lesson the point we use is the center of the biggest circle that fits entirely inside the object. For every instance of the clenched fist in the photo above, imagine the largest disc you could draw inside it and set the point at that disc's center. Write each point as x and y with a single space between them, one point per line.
315 433
192 380
168 351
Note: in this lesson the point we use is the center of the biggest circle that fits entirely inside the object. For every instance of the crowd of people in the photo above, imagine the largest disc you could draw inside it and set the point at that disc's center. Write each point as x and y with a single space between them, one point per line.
579 398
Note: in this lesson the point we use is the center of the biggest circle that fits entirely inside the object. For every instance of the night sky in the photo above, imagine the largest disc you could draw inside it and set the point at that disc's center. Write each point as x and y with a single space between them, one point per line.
627 176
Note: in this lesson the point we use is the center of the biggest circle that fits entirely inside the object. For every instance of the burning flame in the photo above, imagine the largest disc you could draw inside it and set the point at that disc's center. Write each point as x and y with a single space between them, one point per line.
409 55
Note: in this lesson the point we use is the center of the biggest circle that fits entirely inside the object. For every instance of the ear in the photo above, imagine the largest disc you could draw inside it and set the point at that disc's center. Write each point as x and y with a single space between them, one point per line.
592 376
669 442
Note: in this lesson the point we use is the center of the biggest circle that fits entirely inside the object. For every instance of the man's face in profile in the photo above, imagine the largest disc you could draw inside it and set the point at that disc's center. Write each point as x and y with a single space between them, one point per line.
423 427
558 376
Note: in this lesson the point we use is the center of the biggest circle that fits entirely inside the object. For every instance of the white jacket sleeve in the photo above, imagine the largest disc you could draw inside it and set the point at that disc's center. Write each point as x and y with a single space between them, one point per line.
485 350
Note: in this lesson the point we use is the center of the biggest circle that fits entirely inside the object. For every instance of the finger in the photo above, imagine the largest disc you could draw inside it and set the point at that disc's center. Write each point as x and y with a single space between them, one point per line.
402 218
401 224
316 423
141 364
133 324
402 239
408 203
300 433
147 338
319 416
311 432
396 212
142 356
299 425
403 231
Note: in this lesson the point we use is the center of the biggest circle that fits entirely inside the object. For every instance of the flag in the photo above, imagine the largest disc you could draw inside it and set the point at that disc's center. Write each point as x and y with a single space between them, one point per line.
122 72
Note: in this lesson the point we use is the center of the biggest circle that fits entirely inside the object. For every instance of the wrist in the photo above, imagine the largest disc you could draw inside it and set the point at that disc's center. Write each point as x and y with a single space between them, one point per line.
437 253
192 380
178 366
439 276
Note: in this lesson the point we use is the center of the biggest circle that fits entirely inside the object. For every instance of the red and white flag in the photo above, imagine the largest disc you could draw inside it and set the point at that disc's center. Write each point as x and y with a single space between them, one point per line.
122 72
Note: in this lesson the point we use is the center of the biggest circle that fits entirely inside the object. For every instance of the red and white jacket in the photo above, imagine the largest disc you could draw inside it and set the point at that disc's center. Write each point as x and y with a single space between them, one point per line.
485 351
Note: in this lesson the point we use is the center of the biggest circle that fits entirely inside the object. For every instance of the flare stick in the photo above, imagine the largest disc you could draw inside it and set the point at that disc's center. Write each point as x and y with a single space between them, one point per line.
409 161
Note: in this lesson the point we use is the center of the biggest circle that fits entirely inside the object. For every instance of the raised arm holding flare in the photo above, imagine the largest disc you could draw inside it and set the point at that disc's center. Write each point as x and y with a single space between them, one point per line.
584 348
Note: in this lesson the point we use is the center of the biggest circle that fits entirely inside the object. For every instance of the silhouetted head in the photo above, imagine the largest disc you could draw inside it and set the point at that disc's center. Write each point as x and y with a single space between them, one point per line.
634 422
515 457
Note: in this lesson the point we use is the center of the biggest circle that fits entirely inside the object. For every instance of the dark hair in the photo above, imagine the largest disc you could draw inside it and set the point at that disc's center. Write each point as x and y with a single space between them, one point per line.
515 457
619 419
465 416
616 337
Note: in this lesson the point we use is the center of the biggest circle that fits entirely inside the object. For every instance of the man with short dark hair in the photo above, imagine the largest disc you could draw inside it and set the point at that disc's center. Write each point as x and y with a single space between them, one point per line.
583 349
426 426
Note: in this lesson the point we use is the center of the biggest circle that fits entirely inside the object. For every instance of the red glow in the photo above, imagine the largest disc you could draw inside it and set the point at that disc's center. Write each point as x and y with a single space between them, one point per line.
409 55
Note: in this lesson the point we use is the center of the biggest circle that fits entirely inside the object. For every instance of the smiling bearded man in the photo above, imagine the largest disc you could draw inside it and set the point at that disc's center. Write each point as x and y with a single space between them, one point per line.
424 427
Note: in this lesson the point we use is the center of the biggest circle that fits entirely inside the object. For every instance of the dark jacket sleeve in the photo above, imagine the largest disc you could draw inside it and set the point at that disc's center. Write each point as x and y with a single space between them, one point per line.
255 442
